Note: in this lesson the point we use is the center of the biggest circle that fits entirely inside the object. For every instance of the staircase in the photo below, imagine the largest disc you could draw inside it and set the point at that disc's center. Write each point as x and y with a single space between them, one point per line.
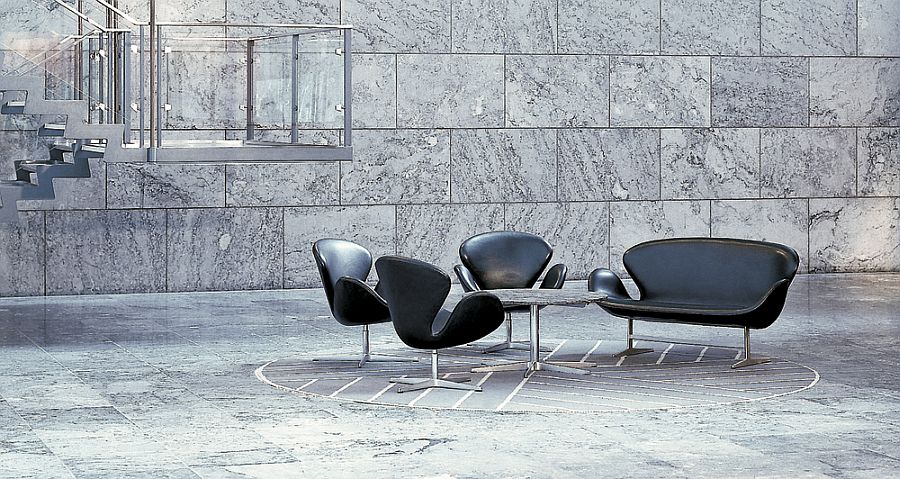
68 158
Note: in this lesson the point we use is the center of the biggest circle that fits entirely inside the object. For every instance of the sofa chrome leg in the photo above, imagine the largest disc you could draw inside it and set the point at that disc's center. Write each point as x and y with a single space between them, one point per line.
748 360
509 343
366 356
417 384
630 350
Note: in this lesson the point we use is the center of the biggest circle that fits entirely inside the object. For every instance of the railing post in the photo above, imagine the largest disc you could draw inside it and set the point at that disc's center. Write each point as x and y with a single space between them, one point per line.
295 93
159 104
141 106
154 97
126 86
348 90
250 115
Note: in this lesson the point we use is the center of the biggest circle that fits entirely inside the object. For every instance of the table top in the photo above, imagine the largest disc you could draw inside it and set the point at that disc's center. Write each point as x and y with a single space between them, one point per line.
545 297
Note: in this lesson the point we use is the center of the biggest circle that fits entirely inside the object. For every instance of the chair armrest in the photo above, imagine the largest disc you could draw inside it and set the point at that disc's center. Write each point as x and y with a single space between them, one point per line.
473 318
603 280
466 279
555 277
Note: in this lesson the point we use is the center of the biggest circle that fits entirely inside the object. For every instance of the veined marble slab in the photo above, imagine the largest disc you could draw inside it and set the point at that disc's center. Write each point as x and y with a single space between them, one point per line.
205 88
879 27
565 90
146 185
609 26
759 91
879 161
710 27
290 184
75 193
504 26
659 91
808 27
374 91
783 221
22 258
614 164
798 162
710 163
854 91
854 234
503 165
420 26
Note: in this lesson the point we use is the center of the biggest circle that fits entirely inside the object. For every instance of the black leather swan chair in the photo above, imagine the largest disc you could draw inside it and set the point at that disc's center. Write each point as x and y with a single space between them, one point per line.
415 292
702 281
507 259
344 266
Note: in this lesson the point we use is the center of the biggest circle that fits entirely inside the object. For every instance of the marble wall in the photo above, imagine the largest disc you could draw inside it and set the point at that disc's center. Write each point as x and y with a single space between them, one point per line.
595 123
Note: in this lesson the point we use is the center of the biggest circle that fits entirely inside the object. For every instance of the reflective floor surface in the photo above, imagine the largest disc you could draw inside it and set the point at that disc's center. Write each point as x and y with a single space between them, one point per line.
163 385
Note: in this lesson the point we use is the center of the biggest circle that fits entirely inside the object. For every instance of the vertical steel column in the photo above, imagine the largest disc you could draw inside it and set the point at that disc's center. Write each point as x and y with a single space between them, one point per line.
101 78
159 104
250 115
141 92
348 91
111 106
154 98
90 80
78 84
295 93
126 86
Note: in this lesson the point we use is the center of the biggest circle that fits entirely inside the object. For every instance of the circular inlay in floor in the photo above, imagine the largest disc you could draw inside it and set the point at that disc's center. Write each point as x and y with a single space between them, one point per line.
673 376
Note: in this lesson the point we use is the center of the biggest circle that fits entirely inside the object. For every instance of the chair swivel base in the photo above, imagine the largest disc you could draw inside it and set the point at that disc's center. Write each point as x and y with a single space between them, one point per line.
519 345
570 367
743 363
632 352
417 384
369 358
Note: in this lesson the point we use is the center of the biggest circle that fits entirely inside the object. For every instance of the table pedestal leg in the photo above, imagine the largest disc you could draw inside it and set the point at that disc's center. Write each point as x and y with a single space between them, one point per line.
535 363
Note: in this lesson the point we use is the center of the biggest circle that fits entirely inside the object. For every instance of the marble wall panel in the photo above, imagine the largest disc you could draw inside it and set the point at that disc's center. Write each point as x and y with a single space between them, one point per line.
371 226
659 91
290 184
444 91
306 137
75 193
146 185
623 27
879 27
615 164
405 26
19 145
633 222
397 166
205 88
710 163
759 91
503 165
854 234
808 27
433 233
225 249
374 91
504 26
710 27
284 11
22 256
578 232
854 91
783 221
548 91
879 161
177 11
106 251
797 162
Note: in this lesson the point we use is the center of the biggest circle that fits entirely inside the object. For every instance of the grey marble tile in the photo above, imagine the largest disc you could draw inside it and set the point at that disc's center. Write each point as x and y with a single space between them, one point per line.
503 165
106 251
800 162
444 91
854 234
710 163
578 232
615 164
225 249
374 91
433 233
291 184
879 27
205 88
75 193
808 27
188 10
659 91
780 221
146 185
22 256
623 27
371 226
405 26
397 166
854 92
878 166
759 91
20 145
284 11
504 26
565 90
633 222
710 27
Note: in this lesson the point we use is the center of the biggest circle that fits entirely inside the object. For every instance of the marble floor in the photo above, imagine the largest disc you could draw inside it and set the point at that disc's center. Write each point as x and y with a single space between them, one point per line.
163 386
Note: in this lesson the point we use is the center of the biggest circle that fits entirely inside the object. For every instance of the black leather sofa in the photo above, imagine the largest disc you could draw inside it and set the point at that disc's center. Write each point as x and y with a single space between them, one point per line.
704 281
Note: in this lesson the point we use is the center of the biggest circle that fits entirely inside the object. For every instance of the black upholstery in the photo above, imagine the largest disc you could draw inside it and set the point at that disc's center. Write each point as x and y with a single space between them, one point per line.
706 281
507 259
344 266
415 292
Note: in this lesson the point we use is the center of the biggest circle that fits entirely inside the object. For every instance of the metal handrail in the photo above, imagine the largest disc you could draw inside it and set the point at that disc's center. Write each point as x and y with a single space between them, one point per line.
254 25
80 15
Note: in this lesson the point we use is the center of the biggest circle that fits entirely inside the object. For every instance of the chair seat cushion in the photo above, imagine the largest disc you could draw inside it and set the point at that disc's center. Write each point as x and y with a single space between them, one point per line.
662 311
